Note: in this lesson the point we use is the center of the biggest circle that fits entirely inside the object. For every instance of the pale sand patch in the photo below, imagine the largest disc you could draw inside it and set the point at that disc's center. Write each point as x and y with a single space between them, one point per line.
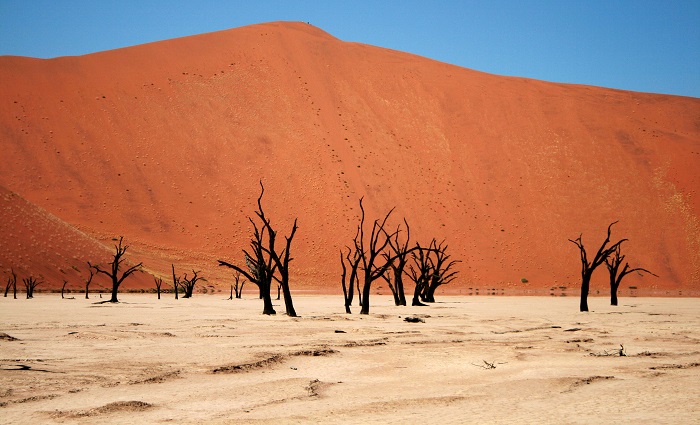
211 360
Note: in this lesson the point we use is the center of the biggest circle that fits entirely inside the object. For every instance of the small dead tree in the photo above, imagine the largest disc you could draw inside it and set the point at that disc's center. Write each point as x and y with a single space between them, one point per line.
30 283
587 267
116 264
188 284
63 288
353 262
158 281
616 275
88 282
11 283
237 287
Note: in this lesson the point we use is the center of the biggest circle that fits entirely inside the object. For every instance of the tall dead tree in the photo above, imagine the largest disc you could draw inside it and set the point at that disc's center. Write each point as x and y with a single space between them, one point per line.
587 267
158 281
616 275
116 264
372 262
30 283
263 261
280 259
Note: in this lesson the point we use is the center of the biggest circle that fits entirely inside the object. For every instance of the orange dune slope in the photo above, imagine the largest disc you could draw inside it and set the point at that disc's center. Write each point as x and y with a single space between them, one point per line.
165 144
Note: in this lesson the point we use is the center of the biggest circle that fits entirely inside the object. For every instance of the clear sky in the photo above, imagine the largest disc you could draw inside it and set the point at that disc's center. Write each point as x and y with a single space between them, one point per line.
640 45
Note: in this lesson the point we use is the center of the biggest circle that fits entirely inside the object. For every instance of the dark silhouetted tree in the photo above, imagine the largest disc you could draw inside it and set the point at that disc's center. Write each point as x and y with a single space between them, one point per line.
352 257
420 273
188 284
158 281
441 272
613 263
30 283
11 283
263 261
176 282
587 267
372 262
401 253
237 287
116 264
63 288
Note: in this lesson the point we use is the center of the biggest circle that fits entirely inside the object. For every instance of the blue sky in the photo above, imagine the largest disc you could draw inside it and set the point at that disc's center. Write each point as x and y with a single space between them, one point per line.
650 46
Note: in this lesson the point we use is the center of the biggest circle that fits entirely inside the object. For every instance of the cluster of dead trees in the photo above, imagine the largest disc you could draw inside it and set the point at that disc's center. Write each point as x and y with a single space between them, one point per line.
264 262
612 257
29 284
382 255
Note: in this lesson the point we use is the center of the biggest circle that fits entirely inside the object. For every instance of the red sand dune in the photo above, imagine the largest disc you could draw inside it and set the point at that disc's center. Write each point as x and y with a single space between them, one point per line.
165 143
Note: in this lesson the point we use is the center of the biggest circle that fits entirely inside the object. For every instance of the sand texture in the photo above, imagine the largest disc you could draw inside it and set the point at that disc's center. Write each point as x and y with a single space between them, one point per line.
470 360
166 143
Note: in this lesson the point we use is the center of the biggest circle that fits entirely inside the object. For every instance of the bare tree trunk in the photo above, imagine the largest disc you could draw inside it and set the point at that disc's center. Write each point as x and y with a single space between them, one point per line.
613 293
176 281
63 288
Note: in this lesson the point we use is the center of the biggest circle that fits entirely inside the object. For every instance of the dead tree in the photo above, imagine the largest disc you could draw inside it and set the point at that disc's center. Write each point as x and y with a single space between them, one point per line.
441 273
260 269
261 266
264 261
281 259
188 284
30 283
176 282
372 262
237 287
116 264
613 263
587 267
420 272
353 262
158 281
11 283
88 282
398 266
63 288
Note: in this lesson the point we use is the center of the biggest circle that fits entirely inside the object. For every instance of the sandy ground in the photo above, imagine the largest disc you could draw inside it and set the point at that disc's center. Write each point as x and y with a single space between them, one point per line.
472 360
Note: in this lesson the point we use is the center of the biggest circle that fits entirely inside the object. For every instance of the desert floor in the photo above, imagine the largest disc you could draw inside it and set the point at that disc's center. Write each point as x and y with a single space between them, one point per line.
473 360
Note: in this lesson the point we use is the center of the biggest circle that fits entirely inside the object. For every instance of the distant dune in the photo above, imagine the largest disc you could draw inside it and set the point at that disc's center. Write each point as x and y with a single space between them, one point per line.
165 144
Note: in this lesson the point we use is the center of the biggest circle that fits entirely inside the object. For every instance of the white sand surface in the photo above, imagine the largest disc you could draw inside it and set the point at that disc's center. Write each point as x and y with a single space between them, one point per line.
473 360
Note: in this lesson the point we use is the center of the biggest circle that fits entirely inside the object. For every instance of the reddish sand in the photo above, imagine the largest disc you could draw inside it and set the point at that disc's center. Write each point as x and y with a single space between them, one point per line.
165 143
